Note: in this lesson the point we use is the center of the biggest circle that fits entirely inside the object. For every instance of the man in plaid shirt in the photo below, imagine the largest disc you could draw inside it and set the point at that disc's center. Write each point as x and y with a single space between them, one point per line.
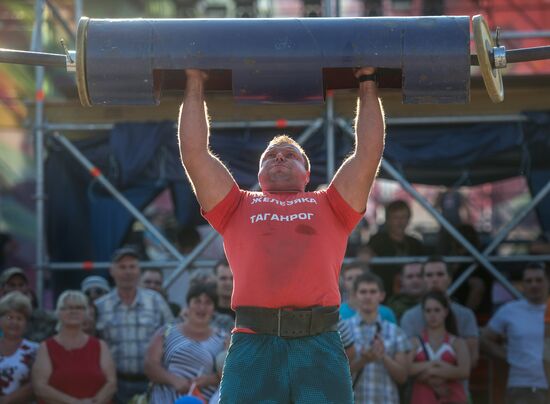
128 317
381 346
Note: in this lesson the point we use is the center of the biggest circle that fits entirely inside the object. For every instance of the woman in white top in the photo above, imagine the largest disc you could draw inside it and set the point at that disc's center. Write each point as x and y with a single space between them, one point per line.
16 353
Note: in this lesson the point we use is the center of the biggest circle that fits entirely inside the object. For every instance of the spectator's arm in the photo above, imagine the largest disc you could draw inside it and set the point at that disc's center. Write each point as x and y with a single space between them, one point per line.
461 370
22 395
469 330
473 348
41 372
207 380
491 343
415 368
356 175
396 367
108 367
153 365
350 353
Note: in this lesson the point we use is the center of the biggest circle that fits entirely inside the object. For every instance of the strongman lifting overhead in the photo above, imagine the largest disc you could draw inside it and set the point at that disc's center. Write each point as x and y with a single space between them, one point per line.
285 247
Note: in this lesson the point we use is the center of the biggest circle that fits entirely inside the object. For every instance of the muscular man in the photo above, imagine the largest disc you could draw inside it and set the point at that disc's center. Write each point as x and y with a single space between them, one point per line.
285 247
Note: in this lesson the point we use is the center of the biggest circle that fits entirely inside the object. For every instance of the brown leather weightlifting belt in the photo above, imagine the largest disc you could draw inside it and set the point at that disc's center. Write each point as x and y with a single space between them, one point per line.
288 323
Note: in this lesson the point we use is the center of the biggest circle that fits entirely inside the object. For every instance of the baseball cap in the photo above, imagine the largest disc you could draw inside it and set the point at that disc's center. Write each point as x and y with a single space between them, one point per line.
8 273
94 281
124 252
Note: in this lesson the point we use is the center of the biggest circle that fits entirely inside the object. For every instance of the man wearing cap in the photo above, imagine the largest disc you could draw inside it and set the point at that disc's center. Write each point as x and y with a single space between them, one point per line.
41 324
128 316
94 287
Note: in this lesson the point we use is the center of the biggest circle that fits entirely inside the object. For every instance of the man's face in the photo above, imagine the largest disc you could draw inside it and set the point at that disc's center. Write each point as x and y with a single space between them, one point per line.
397 221
368 296
282 168
535 286
412 282
16 283
436 276
349 277
224 280
152 280
126 272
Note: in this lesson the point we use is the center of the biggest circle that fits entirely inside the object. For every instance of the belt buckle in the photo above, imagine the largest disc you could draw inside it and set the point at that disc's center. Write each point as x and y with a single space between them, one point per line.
279 322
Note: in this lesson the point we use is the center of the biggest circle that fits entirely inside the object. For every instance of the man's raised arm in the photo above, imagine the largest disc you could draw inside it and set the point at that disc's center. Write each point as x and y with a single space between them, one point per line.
210 179
356 175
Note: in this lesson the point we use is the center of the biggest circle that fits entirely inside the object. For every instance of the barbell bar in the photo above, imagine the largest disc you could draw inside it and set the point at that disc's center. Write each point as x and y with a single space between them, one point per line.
129 62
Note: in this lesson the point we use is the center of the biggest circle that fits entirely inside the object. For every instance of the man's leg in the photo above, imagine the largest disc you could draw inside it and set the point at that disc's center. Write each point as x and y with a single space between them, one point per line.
319 370
255 371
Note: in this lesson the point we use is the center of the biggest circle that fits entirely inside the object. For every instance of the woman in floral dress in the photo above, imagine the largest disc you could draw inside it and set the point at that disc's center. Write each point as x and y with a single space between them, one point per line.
16 353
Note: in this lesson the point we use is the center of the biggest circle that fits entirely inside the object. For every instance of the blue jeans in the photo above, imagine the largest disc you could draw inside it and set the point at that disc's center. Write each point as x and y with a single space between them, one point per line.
526 395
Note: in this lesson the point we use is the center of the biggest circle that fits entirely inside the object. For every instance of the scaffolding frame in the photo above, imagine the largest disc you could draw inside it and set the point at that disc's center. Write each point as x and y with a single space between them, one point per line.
484 258
41 129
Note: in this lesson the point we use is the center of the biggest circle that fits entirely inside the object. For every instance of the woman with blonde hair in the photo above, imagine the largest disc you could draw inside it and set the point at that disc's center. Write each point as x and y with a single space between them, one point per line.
72 366
16 353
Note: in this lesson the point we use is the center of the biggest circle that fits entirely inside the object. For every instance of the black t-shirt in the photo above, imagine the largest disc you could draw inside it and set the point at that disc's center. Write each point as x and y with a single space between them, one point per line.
384 246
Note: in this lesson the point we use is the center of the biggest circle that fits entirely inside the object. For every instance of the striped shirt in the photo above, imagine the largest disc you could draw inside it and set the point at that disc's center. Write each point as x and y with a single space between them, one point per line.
127 330
346 335
375 384
187 358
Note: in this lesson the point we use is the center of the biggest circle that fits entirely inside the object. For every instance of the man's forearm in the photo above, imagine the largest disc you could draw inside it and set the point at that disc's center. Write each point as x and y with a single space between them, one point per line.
193 123
397 371
358 364
369 123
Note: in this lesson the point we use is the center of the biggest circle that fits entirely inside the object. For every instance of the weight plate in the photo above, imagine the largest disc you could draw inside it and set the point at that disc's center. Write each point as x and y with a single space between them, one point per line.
492 77
81 82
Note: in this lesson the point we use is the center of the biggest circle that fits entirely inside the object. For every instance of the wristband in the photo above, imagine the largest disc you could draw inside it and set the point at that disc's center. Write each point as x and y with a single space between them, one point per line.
368 77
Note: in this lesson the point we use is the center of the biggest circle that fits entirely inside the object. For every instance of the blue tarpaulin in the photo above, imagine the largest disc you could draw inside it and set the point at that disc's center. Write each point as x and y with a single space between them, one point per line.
85 223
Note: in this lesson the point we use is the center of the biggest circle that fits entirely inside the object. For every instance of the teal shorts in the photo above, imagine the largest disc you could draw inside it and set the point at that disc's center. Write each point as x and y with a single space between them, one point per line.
266 369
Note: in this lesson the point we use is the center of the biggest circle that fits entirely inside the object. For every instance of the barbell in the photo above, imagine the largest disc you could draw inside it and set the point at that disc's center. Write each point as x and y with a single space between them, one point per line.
132 61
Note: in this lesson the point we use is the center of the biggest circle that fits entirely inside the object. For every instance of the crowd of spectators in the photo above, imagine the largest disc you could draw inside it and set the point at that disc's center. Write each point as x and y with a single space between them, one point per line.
406 339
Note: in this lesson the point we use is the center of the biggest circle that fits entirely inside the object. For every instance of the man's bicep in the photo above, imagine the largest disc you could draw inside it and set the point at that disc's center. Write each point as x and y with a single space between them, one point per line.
354 180
211 180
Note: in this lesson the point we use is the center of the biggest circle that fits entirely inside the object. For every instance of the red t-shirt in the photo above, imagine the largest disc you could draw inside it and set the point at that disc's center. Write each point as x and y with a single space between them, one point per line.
76 372
284 249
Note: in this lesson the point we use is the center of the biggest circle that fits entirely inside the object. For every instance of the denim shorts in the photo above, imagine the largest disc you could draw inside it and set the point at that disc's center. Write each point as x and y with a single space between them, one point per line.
267 369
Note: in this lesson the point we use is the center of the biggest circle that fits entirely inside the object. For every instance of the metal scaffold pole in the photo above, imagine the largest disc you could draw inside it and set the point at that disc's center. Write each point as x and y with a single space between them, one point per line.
39 154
